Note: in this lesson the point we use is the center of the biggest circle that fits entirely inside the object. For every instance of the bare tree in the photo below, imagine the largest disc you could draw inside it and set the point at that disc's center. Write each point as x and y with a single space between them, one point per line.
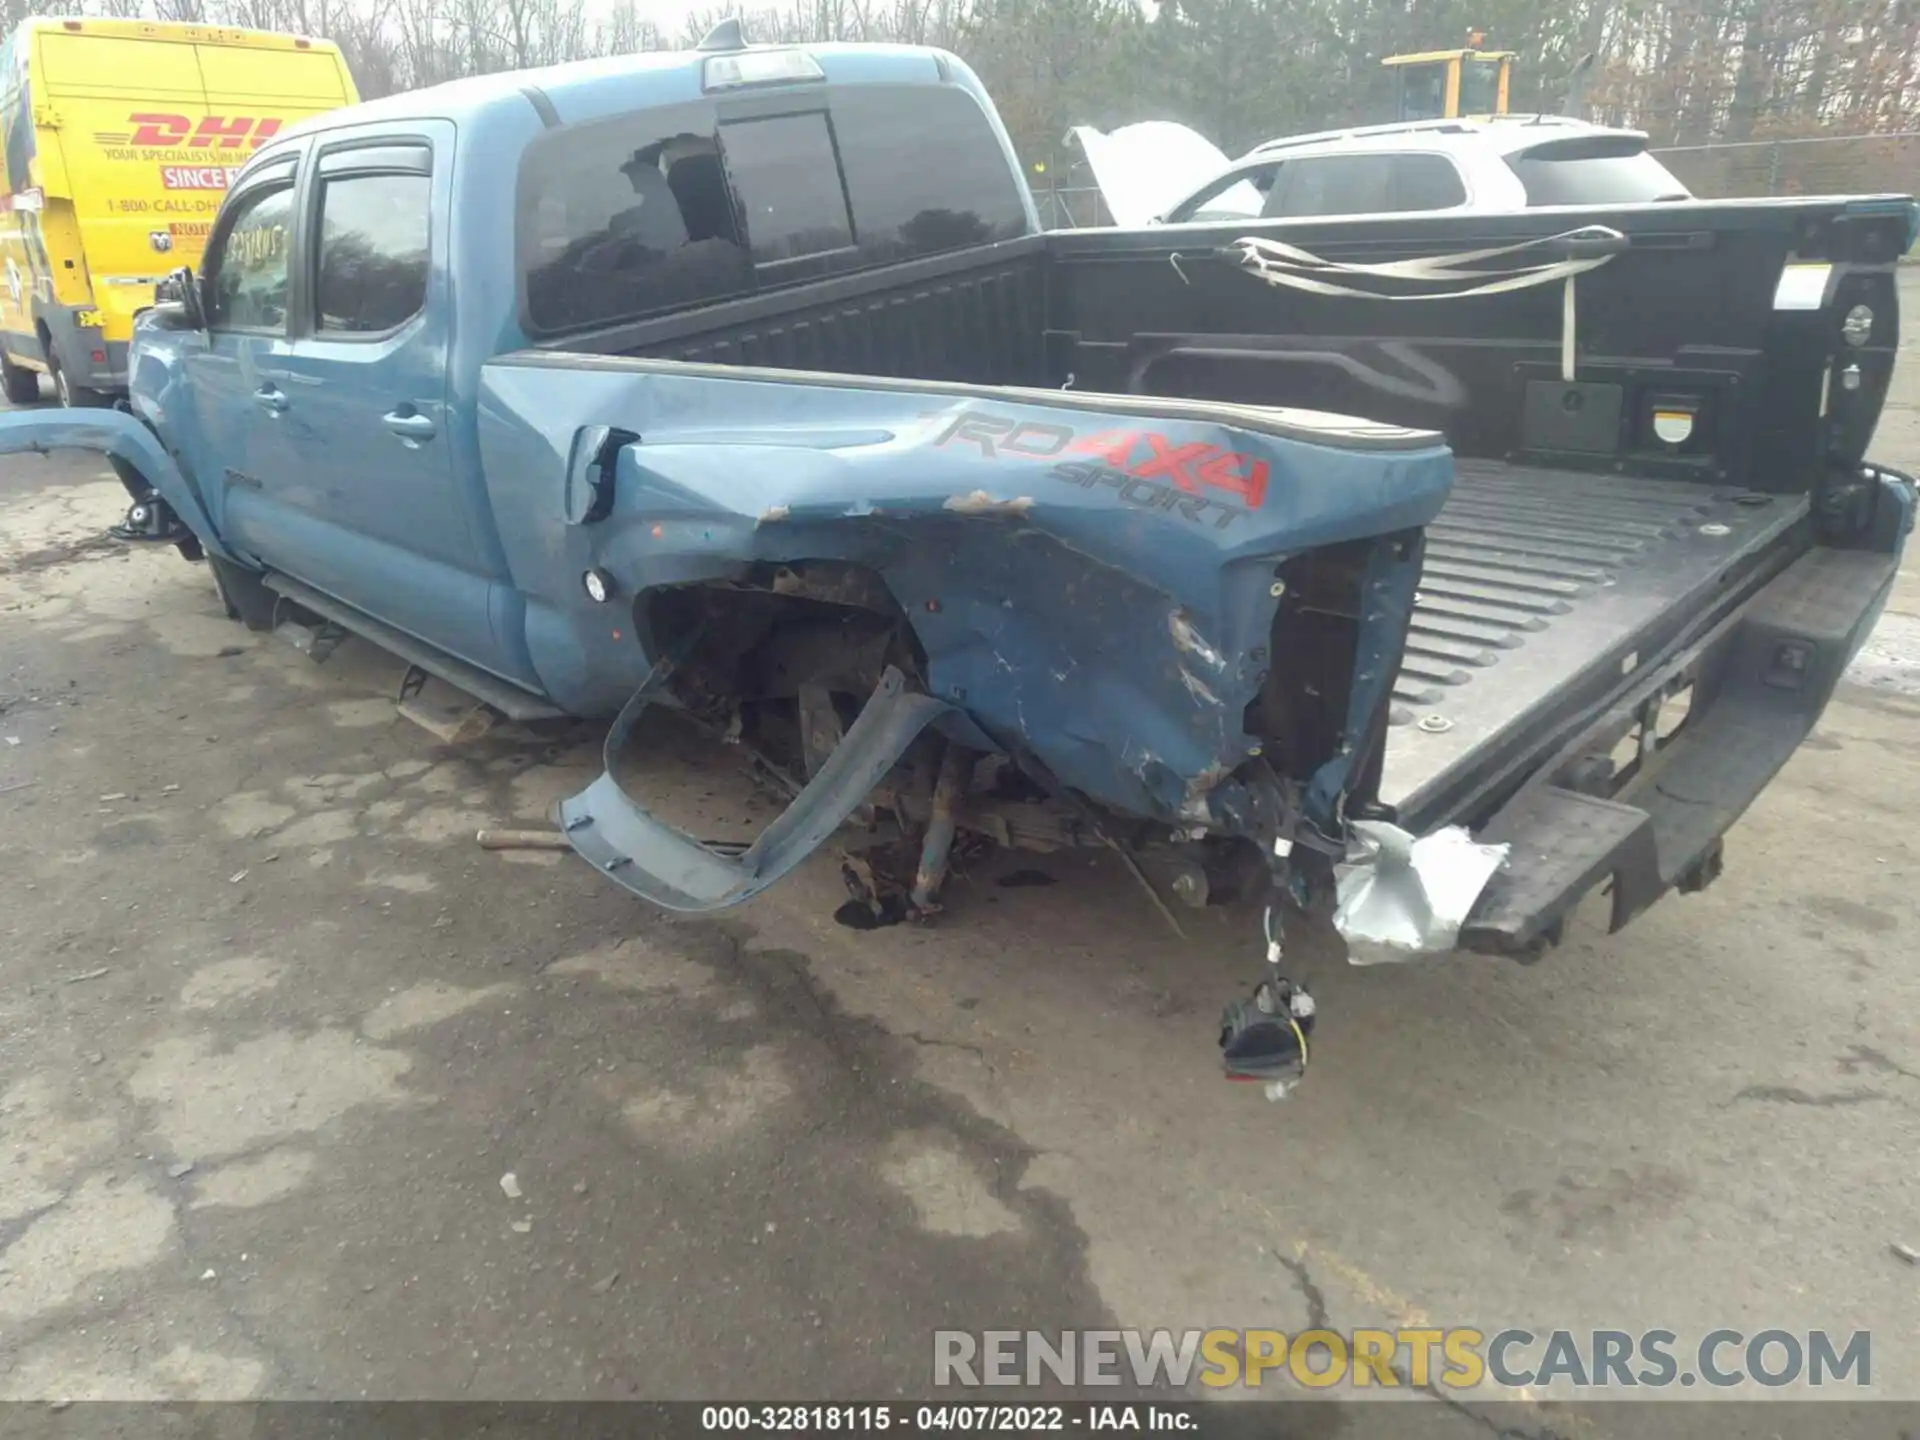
1688 71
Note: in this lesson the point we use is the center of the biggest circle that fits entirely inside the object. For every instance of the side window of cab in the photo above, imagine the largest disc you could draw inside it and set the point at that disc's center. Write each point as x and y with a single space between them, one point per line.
373 261
245 286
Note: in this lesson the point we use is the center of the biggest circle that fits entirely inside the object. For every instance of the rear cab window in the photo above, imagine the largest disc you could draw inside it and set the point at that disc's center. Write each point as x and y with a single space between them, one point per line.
628 217
904 207
786 175
1479 87
673 207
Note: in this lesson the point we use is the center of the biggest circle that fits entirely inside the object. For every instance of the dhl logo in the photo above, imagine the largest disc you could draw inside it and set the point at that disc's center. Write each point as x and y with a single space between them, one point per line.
154 130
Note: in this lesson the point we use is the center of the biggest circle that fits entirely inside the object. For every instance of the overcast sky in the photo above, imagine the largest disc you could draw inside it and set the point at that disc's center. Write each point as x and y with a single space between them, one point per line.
670 15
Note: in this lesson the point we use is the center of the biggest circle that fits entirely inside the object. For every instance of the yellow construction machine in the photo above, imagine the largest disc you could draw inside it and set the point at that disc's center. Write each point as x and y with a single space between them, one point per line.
1470 82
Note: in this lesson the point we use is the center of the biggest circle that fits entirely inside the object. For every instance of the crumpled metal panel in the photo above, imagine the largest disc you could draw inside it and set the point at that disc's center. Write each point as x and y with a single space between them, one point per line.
119 435
1402 897
1090 576
625 842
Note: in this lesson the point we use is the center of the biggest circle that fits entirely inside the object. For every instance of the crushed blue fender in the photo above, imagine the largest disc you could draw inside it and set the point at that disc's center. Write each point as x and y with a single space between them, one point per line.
119 436
1091 578
620 839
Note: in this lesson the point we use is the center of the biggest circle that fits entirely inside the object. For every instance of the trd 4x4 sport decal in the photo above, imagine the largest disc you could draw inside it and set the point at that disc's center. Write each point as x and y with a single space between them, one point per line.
1134 462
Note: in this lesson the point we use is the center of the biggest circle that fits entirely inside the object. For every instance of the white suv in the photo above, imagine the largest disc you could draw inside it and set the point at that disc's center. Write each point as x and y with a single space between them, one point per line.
1510 163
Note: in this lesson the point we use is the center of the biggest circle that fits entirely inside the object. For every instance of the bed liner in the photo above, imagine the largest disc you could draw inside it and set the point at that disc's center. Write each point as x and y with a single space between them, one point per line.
1541 584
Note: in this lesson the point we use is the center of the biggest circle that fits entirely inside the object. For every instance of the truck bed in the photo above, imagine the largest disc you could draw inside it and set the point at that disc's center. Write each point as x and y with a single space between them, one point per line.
1543 589
1548 587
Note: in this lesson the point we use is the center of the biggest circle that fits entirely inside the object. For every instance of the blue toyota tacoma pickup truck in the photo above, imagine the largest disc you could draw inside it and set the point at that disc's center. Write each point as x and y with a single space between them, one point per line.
745 381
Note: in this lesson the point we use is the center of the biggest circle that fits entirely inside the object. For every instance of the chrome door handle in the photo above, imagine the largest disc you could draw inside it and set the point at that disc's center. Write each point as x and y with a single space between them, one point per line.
413 426
271 399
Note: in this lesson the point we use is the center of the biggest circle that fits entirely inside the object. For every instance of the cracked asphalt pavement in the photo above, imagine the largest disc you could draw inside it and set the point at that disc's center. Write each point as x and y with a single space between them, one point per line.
276 1033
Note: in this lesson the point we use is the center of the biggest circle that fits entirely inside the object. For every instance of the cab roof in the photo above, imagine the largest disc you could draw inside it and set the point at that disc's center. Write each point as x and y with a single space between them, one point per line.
586 90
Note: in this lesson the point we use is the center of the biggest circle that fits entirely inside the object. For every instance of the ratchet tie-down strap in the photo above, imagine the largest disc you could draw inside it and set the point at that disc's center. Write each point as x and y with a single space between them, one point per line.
1446 277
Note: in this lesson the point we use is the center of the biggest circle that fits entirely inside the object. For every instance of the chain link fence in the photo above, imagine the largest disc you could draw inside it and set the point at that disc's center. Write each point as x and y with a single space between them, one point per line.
1882 164
1821 165
1074 206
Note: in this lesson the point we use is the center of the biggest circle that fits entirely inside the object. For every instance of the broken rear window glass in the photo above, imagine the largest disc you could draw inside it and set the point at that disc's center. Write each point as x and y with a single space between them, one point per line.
787 176
627 217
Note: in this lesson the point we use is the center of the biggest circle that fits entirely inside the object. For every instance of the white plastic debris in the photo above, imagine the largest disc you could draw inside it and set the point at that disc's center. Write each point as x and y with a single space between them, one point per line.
1401 897
521 1227
510 1184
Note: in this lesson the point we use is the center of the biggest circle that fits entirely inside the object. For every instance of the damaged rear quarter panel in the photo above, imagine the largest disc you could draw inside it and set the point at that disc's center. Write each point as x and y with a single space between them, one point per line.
1089 576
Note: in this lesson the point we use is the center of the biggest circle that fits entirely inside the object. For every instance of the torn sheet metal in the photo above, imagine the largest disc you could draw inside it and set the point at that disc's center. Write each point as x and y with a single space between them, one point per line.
1401 897
1090 578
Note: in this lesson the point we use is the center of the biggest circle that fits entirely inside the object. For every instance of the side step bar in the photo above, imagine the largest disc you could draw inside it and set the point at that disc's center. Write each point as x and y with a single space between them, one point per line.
510 700
1760 682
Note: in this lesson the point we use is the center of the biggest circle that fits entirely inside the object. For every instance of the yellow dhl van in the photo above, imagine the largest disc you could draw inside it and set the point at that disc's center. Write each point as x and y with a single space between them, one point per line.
120 138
